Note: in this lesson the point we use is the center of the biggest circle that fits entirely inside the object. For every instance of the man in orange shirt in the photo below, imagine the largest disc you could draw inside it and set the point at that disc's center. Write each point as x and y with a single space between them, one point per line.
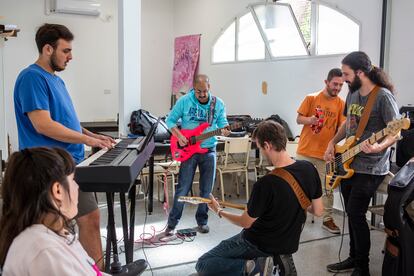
321 114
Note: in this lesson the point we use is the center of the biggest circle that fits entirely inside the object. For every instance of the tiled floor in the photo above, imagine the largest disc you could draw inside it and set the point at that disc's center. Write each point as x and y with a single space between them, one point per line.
317 249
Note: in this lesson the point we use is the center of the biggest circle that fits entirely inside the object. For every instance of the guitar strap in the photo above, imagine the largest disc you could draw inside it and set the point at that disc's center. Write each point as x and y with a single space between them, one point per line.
212 108
366 112
297 189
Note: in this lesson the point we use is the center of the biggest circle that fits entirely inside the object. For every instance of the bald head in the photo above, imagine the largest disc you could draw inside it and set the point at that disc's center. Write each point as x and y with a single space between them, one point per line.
201 79
201 88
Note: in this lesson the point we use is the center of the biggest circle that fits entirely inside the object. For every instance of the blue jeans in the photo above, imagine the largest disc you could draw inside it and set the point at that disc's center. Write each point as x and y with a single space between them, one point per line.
229 257
207 165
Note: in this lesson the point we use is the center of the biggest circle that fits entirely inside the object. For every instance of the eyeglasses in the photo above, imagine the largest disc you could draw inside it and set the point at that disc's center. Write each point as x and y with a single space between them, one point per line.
198 92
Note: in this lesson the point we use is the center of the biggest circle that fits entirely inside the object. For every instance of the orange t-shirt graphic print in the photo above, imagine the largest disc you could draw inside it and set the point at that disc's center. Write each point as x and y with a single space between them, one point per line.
314 144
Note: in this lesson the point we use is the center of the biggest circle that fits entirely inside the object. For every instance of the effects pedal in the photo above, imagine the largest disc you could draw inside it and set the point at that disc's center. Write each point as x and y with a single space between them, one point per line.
188 232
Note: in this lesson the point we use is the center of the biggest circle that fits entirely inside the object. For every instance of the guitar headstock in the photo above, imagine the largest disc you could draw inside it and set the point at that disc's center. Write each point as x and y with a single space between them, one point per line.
396 125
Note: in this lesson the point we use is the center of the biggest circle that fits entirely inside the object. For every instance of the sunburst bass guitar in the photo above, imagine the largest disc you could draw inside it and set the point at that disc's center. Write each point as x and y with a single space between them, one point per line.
344 154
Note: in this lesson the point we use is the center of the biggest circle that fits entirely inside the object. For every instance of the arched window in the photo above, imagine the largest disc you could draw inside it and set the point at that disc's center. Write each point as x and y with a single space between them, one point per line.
250 45
288 28
280 29
224 48
336 33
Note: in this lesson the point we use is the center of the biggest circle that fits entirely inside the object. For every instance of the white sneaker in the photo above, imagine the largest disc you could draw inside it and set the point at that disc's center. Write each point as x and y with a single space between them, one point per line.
268 267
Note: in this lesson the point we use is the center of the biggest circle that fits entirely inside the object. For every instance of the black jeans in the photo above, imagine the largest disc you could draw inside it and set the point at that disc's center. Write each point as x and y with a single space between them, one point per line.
357 192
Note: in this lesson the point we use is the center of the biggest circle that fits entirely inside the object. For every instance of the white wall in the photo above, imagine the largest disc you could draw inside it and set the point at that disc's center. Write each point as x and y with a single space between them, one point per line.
288 80
401 52
157 55
94 66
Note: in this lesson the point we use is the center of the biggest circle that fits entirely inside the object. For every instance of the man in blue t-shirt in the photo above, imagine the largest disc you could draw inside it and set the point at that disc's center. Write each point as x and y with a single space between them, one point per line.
46 117
197 107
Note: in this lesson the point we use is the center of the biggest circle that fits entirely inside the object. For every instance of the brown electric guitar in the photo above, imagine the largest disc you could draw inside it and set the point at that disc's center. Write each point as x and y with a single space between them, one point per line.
200 200
344 155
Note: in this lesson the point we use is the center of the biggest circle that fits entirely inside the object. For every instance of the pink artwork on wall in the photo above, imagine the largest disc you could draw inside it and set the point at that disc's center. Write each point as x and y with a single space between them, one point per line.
186 55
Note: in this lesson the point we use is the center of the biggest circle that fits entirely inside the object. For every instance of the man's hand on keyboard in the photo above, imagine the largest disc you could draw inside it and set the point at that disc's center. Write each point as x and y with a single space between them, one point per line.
99 143
105 138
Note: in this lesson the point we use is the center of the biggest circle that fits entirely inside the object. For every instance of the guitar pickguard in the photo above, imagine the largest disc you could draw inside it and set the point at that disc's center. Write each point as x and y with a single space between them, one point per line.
339 167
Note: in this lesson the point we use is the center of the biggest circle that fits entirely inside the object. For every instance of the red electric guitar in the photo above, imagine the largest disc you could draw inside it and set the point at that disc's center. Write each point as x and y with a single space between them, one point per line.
195 137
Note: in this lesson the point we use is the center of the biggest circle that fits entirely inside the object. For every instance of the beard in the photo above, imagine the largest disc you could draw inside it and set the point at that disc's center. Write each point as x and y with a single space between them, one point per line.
53 64
355 85
331 92
202 100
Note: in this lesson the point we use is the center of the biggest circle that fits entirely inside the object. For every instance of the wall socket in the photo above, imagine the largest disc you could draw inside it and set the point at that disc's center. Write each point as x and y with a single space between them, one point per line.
107 91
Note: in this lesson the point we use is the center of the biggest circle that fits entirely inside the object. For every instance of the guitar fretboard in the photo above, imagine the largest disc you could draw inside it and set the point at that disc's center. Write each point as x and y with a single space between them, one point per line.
215 132
357 149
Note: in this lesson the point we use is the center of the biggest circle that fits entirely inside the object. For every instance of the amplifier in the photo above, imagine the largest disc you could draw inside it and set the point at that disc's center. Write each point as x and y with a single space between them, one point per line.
249 127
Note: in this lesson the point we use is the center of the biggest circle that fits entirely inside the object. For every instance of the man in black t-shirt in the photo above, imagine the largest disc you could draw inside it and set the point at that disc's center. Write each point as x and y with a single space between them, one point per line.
274 217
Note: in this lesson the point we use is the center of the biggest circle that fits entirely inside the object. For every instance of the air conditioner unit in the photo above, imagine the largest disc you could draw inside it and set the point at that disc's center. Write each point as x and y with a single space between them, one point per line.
83 7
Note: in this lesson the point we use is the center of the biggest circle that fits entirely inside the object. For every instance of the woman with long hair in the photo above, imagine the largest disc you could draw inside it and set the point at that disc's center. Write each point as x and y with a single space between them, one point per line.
40 198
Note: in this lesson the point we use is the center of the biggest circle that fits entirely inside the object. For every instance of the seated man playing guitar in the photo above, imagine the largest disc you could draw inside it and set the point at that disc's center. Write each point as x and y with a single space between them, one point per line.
276 211
198 106
370 106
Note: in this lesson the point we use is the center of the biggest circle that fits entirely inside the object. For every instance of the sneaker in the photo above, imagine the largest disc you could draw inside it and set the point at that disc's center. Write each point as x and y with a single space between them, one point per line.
360 272
268 267
344 266
255 267
330 226
169 231
288 265
203 229
249 267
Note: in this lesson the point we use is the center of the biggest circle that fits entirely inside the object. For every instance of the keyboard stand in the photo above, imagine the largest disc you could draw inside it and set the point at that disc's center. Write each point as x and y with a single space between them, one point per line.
127 228
151 184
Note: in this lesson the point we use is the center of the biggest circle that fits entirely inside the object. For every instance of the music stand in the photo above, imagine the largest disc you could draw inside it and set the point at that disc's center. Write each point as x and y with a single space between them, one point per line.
149 136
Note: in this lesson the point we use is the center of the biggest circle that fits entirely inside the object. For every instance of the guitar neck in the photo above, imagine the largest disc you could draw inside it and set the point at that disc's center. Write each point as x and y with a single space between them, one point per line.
357 149
199 200
214 133
208 134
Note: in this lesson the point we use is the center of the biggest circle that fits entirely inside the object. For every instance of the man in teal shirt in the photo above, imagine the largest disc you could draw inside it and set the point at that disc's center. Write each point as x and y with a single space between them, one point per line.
193 109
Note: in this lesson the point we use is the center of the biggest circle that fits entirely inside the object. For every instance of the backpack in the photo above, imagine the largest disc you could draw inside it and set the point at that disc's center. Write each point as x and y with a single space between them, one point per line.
279 120
141 122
